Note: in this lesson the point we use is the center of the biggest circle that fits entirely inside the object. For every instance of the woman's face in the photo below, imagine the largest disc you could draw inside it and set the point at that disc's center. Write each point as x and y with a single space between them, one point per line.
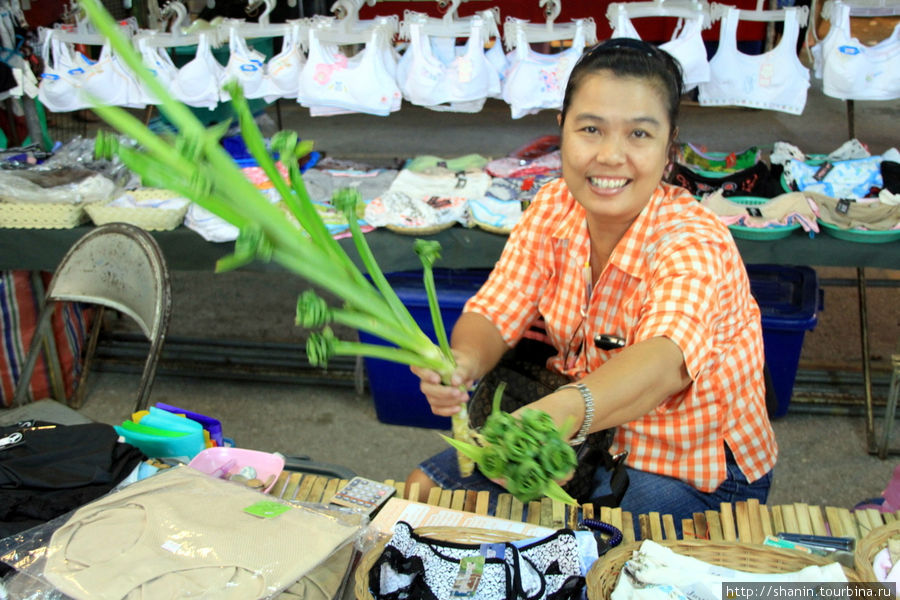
615 142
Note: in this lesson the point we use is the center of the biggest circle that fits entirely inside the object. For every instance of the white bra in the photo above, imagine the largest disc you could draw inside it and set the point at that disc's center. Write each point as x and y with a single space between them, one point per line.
160 65
60 86
111 82
774 80
244 65
198 83
536 81
282 76
331 83
853 71
461 82
686 46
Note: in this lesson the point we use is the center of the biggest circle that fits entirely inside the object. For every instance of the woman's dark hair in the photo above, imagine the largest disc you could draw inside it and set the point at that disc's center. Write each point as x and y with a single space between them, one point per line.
627 57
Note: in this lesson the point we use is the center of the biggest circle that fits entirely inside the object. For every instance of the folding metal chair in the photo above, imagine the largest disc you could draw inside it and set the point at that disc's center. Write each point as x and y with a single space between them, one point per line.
116 266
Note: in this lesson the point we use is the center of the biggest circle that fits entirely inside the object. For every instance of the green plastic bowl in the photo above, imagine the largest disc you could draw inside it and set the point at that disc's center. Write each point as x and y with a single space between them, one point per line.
759 233
862 236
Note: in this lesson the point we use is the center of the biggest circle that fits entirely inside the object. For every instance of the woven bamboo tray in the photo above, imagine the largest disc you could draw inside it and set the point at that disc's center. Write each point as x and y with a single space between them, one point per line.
41 215
871 544
461 535
145 217
602 578
430 230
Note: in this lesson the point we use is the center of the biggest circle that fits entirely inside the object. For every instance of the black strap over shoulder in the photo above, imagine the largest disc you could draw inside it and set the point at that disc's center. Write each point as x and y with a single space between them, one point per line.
527 379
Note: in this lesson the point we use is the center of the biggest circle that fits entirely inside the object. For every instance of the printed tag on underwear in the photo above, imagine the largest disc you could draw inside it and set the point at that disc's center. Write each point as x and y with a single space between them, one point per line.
754 211
492 550
822 171
267 509
843 206
468 577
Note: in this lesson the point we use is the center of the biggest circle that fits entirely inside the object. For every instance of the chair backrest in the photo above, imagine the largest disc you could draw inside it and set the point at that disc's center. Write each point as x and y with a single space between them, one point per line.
121 267
116 266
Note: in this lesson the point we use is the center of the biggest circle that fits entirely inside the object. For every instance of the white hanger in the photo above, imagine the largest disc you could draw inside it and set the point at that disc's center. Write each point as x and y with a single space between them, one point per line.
83 33
451 25
345 28
178 36
262 28
549 31
865 8
684 9
717 11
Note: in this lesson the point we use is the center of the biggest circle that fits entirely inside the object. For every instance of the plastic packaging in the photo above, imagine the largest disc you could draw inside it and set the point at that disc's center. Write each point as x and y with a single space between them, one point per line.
180 530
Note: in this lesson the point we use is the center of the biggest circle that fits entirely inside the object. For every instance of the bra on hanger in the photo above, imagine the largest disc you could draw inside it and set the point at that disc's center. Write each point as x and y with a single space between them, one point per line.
537 81
160 64
774 80
60 86
282 74
198 83
109 81
851 70
440 76
686 46
332 83
244 65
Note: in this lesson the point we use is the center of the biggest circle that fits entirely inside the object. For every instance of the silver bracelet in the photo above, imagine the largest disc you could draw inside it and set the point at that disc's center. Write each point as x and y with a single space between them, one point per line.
588 411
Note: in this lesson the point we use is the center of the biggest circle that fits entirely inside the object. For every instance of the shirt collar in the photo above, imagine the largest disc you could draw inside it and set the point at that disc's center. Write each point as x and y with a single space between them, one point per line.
629 252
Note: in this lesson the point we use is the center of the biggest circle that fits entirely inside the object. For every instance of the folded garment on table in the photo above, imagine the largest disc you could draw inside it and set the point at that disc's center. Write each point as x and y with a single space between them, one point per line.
549 164
757 180
699 158
870 215
855 178
792 208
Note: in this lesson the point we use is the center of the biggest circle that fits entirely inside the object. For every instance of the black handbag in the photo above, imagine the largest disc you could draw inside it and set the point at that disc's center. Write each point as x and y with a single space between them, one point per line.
527 379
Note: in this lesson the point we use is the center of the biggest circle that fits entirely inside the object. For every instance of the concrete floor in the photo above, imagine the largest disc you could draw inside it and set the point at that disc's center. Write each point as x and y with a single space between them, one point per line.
823 458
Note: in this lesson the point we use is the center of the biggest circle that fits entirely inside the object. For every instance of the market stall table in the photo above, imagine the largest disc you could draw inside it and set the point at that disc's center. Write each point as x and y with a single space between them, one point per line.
463 248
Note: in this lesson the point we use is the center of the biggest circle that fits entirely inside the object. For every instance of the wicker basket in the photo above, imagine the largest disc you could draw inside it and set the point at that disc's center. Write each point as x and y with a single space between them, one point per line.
145 217
871 544
430 230
602 578
460 535
41 215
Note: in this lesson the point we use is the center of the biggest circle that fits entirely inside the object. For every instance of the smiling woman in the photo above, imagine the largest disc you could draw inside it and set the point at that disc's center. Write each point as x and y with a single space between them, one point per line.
610 250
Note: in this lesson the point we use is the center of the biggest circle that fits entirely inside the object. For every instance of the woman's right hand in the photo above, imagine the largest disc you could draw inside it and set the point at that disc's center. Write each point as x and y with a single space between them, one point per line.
447 400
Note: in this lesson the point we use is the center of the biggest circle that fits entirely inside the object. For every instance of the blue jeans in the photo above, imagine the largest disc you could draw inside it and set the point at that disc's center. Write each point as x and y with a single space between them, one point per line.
647 492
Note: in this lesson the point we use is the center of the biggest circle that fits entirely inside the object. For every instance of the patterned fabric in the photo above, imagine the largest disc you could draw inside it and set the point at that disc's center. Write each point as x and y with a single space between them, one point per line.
676 274
418 568
20 305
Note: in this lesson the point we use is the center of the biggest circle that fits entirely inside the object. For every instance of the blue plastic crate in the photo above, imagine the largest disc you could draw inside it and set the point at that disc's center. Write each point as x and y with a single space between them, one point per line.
395 390
789 300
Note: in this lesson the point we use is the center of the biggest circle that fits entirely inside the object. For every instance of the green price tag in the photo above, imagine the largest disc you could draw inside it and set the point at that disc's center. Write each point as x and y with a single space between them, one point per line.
267 509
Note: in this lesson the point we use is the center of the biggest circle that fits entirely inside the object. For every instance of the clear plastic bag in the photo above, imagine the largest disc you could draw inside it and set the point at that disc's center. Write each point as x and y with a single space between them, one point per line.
180 530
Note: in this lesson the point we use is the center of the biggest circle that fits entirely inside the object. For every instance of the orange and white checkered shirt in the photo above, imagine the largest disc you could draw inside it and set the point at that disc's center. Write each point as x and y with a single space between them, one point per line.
677 274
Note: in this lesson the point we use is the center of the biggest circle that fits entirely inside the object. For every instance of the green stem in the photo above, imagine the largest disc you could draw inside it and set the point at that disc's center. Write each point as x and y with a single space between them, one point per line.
404 317
437 319
419 344
388 353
